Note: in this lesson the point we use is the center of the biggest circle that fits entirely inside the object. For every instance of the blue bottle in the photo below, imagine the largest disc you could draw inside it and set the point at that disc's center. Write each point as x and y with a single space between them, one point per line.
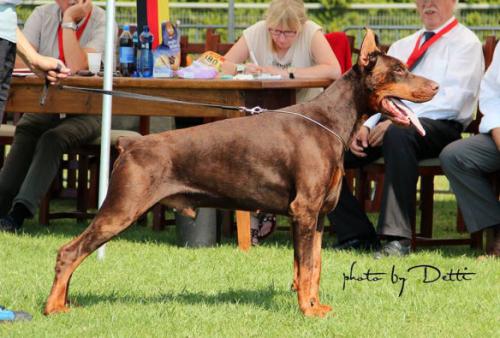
127 64
145 54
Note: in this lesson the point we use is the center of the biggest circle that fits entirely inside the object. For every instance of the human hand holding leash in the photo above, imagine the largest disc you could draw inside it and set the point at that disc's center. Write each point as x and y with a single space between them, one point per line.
360 142
52 69
43 66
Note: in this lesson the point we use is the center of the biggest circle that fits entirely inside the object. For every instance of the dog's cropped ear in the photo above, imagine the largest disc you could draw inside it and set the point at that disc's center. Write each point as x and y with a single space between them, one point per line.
368 47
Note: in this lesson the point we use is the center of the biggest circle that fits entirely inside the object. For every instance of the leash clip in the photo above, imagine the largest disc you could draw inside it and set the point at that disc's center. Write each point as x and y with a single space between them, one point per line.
252 111
45 91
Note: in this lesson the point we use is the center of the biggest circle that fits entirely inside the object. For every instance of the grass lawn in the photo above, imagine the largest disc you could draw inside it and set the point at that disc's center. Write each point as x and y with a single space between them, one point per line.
149 287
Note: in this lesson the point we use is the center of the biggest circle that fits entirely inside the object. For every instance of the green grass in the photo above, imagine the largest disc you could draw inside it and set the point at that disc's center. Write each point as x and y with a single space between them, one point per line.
149 287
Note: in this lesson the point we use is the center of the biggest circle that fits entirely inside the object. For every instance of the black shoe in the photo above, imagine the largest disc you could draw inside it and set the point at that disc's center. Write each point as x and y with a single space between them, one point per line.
8 224
361 244
394 248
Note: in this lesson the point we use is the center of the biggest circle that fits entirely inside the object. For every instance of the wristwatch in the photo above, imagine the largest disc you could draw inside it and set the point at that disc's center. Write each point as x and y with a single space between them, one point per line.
240 68
69 25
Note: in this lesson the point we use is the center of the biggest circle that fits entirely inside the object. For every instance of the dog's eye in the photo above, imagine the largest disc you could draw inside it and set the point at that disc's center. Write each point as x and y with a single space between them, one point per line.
399 70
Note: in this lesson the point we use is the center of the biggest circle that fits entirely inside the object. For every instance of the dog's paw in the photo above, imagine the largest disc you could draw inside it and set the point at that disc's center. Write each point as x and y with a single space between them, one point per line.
318 310
50 310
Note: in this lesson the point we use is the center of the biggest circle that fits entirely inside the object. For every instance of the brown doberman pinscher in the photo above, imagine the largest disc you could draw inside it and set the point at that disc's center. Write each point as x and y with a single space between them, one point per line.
274 162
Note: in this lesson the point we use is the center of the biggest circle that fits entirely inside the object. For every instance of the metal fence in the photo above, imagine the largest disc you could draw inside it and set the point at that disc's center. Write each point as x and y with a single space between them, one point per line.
391 21
388 34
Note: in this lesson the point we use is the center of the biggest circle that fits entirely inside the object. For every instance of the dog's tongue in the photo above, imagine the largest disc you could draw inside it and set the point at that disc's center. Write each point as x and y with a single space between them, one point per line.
410 114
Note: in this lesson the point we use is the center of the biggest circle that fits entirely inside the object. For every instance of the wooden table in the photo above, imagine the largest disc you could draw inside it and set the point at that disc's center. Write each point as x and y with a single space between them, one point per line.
25 93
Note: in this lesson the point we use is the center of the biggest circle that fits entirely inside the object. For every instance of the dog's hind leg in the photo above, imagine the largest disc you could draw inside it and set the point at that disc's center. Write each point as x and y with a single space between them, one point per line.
127 199
307 246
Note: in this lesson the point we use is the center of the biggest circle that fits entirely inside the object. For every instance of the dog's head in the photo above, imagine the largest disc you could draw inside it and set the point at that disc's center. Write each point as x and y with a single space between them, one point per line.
387 80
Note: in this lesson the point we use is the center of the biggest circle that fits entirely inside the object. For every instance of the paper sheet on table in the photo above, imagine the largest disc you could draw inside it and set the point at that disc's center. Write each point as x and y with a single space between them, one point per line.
21 72
261 76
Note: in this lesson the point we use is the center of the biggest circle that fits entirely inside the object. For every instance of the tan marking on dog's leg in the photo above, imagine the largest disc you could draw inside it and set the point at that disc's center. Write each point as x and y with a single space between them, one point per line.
315 282
304 227
100 231
58 298
295 282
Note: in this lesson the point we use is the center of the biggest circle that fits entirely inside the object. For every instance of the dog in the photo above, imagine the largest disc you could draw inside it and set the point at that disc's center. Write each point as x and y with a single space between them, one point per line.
273 162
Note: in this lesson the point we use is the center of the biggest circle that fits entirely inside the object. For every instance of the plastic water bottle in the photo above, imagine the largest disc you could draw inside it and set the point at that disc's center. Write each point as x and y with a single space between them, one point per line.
126 51
135 41
145 54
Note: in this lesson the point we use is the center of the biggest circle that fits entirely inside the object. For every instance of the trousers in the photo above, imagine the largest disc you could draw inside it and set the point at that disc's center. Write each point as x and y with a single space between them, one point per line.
467 164
402 148
7 60
39 142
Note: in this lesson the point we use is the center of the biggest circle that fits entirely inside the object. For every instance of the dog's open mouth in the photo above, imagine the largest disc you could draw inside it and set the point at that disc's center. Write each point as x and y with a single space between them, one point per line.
401 113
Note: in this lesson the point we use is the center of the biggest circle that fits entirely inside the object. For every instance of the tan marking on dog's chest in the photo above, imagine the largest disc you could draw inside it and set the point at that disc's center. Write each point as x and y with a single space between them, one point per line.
333 192
336 177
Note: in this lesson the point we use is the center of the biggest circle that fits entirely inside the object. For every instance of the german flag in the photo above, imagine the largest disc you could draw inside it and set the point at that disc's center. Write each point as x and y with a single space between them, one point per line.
152 13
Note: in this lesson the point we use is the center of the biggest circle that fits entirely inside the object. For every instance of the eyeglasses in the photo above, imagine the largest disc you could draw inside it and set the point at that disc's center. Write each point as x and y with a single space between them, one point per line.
277 32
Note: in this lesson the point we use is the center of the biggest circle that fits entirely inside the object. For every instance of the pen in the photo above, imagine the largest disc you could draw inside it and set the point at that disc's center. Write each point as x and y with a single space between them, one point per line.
253 59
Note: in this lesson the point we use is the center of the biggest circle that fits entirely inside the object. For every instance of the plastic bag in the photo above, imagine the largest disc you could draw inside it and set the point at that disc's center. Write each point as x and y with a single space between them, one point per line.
197 70
207 66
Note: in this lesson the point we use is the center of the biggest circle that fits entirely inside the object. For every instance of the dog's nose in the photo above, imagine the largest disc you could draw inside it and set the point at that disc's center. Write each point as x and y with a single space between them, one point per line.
434 86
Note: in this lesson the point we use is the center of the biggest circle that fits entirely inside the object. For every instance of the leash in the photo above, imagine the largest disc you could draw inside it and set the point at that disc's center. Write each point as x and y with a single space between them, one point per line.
258 110
252 111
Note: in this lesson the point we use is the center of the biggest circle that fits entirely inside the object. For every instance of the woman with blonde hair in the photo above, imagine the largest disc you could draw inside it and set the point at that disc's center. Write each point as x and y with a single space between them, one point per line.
286 43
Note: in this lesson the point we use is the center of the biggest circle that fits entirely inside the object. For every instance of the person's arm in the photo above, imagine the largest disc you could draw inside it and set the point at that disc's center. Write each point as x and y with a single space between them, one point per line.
74 55
32 32
43 66
495 135
237 55
326 65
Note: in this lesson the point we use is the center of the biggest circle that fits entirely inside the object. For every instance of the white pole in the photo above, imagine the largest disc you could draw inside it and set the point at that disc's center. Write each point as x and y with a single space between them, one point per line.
109 53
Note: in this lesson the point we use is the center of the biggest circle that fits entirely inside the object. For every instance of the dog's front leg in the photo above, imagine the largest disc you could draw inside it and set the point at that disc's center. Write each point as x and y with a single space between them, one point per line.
317 241
307 247
295 282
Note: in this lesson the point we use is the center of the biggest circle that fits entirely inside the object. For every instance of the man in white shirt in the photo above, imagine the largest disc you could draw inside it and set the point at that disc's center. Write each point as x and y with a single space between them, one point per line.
468 162
450 54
